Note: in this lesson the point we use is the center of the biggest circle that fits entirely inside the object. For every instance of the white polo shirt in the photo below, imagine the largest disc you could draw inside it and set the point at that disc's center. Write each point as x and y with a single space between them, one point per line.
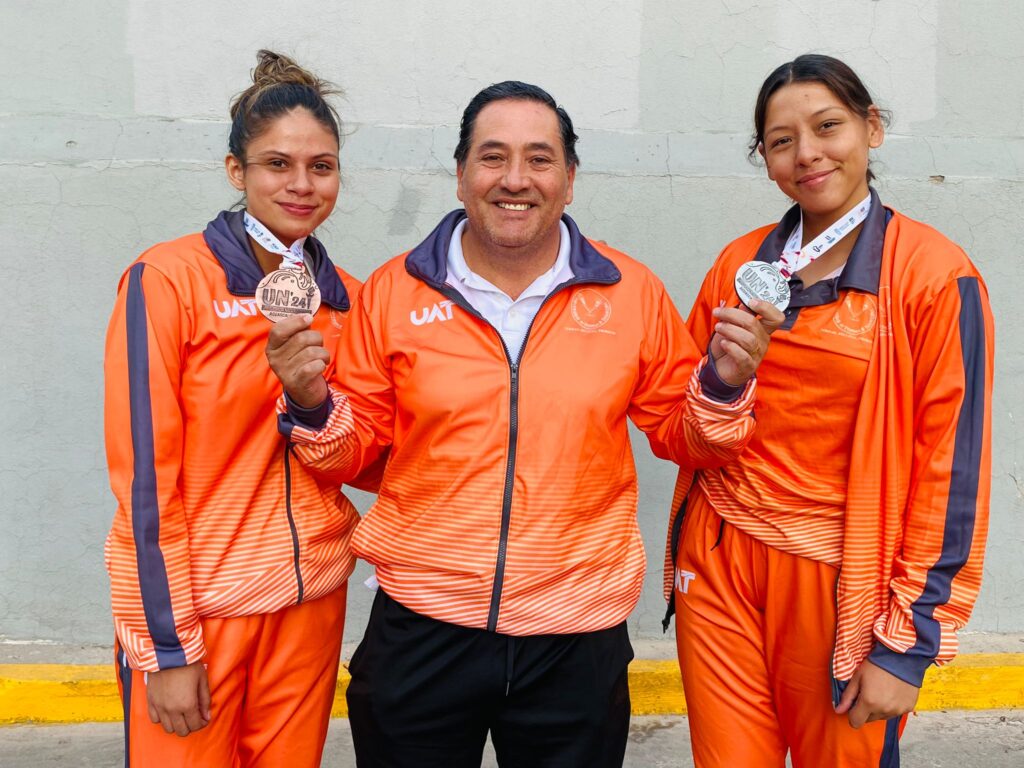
511 317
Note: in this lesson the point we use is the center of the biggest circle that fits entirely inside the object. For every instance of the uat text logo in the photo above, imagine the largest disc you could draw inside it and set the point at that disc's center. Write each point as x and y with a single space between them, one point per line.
234 308
442 312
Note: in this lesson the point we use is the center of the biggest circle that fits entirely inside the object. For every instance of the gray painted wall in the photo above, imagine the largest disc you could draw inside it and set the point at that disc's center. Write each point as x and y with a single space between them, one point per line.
113 129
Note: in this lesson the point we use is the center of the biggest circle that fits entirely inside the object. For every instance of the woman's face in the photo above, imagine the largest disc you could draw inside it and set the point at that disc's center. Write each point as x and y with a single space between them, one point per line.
816 149
290 177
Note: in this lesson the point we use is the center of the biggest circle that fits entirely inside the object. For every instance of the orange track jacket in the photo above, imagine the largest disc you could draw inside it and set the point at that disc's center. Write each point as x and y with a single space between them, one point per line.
214 518
509 501
917 502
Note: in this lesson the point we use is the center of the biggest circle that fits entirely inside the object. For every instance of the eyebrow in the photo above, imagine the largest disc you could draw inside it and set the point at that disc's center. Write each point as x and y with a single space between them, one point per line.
821 111
532 146
279 153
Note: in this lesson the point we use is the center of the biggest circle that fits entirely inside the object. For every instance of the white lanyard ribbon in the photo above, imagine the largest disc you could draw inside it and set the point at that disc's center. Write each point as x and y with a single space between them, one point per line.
794 258
292 257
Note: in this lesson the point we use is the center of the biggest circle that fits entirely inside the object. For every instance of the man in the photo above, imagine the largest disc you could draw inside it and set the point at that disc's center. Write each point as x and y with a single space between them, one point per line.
498 361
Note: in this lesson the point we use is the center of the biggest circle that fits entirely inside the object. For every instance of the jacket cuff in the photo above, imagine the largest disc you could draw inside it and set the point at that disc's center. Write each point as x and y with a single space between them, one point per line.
711 384
909 669
311 418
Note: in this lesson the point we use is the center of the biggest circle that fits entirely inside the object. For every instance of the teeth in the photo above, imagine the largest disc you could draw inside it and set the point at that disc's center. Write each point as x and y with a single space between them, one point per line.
514 206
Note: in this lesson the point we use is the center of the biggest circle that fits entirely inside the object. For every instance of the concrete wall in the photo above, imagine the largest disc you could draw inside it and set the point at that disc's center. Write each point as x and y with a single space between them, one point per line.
113 129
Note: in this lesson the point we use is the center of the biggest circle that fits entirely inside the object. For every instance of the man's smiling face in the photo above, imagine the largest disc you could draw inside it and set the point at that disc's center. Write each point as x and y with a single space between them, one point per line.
515 181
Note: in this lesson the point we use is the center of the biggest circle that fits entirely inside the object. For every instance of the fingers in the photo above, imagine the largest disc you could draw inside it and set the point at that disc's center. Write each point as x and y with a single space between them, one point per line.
204 698
180 724
859 715
180 720
179 699
294 345
739 320
747 339
194 721
770 316
875 694
281 332
167 722
743 338
297 357
849 695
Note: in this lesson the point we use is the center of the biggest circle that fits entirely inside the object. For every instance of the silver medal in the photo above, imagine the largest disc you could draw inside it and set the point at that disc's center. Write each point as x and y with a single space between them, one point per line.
761 280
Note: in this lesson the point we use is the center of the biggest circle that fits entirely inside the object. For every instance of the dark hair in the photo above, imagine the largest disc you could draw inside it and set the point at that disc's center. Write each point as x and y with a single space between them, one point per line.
815 68
279 85
513 89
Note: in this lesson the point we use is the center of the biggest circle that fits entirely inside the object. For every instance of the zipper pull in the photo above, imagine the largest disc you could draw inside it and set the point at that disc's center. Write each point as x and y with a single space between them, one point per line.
514 369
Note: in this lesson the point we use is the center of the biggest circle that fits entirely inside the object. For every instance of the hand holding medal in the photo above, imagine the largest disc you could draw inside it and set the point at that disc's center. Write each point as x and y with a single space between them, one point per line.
763 288
741 339
289 290
289 297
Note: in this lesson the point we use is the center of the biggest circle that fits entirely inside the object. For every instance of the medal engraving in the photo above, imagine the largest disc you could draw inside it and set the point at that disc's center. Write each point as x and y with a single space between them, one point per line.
760 280
287 292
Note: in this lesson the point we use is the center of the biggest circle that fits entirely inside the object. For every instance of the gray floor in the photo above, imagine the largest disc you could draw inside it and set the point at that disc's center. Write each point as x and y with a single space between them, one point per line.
990 739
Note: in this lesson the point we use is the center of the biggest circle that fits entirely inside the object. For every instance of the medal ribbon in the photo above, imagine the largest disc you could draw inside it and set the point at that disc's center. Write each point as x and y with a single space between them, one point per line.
794 258
292 257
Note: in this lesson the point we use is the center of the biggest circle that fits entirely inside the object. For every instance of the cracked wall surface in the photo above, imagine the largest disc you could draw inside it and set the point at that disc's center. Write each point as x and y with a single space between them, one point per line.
113 129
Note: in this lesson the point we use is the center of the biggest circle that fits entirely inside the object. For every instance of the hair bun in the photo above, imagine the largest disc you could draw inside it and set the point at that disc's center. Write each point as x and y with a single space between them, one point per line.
275 69
279 85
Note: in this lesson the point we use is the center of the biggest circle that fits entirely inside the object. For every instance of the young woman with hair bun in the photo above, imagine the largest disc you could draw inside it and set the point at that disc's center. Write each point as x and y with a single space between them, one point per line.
228 559
817 576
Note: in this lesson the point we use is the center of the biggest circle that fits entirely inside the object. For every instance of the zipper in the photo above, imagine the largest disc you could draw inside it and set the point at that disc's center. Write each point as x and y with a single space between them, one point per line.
837 690
506 497
291 518
513 432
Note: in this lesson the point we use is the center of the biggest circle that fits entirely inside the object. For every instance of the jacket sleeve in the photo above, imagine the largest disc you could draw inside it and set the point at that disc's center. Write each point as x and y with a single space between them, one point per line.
937 573
357 422
690 416
147 551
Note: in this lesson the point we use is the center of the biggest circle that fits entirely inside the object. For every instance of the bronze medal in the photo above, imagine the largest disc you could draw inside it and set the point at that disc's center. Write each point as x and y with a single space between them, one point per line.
287 292
761 280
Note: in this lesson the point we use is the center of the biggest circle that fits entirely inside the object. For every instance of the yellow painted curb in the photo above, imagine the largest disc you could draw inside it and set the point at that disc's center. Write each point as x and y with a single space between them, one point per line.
52 693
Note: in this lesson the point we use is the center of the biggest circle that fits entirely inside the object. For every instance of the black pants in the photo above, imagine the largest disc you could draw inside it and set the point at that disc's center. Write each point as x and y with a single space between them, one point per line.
425 693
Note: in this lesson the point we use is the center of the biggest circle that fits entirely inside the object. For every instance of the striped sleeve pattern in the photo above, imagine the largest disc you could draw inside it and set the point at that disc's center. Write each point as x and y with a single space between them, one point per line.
332 449
147 549
937 574
716 432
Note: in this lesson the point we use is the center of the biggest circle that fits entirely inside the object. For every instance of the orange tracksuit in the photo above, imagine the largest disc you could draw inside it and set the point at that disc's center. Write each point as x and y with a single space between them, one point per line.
509 501
853 527
216 520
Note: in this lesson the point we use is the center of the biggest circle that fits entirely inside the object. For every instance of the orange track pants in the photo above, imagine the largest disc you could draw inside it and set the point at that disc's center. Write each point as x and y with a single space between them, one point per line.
754 632
272 682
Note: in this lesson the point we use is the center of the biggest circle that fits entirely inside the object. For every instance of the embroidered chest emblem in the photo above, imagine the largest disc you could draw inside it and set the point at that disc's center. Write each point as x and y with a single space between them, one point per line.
857 315
590 309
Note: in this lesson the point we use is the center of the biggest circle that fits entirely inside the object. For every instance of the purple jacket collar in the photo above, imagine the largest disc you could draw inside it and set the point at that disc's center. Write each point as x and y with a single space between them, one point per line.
428 261
227 238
